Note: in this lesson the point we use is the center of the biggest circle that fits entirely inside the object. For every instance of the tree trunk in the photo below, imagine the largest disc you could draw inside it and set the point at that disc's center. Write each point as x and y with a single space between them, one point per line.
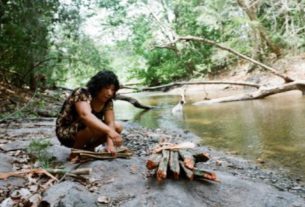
210 42
261 93
133 101
169 86
259 31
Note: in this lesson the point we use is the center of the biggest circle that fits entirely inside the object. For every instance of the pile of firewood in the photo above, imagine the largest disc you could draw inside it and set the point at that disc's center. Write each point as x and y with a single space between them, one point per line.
176 161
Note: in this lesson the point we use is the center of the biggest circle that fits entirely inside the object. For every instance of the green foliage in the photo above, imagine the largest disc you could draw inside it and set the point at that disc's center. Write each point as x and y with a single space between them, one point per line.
160 70
44 37
224 22
38 148
23 34
116 9
77 60
285 22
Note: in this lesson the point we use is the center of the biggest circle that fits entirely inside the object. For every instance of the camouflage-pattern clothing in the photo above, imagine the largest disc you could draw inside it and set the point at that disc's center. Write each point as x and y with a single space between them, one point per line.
68 122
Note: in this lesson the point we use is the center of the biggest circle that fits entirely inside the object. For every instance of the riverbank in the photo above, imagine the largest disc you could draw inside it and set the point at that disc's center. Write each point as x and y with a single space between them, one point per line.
291 66
122 182
126 182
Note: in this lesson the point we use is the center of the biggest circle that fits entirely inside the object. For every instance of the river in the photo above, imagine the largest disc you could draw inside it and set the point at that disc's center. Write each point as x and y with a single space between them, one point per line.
271 130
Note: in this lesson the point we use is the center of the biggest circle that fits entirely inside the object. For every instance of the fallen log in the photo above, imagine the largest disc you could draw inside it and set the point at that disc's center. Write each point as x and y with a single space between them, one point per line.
169 86
174 164
162 169
129 99
133 101
153 161
188 158
188 173
204 174
261 93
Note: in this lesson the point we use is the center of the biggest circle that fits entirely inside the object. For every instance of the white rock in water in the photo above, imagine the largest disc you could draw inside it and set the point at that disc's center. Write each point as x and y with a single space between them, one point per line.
178 108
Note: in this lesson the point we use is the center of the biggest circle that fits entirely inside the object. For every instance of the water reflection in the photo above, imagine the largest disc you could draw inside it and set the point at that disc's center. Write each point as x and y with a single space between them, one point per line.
271 129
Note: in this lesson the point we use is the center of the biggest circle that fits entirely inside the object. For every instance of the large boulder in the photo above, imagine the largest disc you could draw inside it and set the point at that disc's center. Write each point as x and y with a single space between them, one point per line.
68 194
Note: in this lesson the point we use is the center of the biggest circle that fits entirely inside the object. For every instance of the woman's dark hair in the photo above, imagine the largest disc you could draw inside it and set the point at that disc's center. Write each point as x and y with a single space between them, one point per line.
102 79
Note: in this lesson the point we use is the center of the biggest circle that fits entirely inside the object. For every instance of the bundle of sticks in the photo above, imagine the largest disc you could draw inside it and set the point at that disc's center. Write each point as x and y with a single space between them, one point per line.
176 160
121 152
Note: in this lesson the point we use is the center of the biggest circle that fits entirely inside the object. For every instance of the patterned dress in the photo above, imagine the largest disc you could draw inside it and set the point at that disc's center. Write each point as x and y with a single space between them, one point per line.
68 122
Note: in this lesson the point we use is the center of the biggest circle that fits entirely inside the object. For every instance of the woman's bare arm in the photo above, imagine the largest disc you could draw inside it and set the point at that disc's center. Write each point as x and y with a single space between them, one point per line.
83 109
110 121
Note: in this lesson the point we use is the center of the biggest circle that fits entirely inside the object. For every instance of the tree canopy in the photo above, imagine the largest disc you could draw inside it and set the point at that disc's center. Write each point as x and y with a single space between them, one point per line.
137 38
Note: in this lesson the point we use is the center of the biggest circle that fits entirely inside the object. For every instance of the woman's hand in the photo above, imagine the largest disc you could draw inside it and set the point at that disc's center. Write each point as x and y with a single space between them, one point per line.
115 137
110 147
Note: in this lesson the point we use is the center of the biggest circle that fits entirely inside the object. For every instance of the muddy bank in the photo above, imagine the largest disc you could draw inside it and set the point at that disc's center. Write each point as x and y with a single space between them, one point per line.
126 182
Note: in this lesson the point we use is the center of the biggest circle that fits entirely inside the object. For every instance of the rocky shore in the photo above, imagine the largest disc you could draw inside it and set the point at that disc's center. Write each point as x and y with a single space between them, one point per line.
126 182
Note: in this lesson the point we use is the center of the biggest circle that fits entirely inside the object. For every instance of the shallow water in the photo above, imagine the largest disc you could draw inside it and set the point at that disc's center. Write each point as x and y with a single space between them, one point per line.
271 129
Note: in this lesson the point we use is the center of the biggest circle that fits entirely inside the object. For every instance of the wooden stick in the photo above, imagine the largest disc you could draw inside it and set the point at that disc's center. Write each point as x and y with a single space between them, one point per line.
174 164
189 173
118 150
106 156
48 172
204 174
188 158
170 146
162 170
5 175
80 171
153 161
121 153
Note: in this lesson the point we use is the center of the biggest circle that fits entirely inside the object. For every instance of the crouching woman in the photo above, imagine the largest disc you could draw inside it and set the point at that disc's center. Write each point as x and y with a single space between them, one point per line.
86 119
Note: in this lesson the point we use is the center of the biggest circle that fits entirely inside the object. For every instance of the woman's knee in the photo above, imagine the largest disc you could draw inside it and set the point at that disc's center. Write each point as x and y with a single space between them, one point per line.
118 127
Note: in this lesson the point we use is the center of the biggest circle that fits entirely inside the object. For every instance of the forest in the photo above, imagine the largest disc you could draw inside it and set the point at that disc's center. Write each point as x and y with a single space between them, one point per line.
61 43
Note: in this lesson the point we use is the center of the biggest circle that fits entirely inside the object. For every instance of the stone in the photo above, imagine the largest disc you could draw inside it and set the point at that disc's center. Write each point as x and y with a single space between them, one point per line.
6 163
69 194
16 145
59 153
